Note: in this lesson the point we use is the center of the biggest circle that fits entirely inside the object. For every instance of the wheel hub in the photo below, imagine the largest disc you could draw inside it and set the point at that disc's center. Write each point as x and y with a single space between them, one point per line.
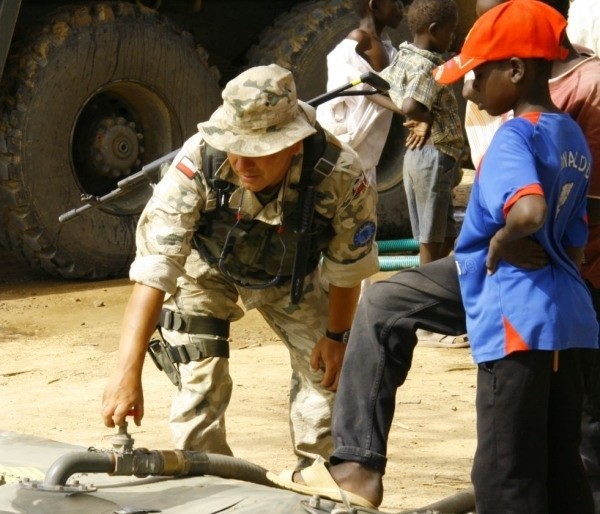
116 147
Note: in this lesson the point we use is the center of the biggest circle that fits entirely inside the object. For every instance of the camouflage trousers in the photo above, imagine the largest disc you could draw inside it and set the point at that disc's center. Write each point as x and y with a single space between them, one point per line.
197 419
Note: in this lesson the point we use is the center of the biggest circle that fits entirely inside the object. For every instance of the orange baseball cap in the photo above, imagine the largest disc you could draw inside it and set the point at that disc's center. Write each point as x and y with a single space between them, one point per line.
517 28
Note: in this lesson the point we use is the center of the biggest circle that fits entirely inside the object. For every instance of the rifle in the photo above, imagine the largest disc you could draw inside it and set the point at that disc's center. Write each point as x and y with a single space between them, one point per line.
149 174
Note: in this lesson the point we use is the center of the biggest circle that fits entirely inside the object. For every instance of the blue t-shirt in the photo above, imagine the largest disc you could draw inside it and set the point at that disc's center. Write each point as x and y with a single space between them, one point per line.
516 309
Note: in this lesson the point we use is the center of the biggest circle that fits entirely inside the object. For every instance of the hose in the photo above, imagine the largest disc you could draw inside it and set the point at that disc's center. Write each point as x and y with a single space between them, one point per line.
398 245
224 466
463 502
397 262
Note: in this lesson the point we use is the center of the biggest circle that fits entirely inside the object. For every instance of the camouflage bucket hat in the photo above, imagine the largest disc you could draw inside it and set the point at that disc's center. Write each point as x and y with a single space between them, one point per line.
260 115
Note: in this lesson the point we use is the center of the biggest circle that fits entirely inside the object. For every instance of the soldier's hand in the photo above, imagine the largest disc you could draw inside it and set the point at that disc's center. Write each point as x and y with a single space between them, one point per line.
328 355
123 395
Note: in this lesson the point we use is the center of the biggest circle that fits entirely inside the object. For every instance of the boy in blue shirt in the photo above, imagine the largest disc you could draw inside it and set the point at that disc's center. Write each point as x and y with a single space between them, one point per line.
527 327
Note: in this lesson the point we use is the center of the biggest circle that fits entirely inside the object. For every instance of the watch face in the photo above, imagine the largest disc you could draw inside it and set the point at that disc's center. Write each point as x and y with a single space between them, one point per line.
346 337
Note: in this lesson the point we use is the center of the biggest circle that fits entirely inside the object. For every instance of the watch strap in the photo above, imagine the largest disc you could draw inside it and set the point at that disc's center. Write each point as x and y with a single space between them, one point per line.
340 337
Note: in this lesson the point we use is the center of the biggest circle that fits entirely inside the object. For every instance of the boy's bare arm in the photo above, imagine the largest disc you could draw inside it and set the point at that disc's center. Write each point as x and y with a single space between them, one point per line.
386 101
370 49
416 111
525 217
410 108
418 129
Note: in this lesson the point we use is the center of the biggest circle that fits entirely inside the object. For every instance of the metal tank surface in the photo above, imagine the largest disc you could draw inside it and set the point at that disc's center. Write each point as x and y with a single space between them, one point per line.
40 476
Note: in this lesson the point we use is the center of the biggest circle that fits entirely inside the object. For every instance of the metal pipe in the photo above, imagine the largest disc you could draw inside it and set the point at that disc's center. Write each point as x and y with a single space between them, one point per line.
78 462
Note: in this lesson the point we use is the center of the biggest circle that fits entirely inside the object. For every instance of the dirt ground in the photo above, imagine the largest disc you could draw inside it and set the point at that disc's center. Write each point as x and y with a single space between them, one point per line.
58 342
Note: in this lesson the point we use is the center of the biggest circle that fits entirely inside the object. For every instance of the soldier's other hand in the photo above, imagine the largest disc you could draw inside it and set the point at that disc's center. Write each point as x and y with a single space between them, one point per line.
328 355
122 396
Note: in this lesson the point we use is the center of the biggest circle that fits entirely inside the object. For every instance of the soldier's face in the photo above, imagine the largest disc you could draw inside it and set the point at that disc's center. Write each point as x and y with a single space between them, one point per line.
263 173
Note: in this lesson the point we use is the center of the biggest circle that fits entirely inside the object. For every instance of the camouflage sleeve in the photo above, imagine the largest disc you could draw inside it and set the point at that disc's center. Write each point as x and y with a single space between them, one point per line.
352 253
168 222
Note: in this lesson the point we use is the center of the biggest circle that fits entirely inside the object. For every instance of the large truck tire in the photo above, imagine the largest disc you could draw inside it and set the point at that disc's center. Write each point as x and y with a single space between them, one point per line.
90 95
300 41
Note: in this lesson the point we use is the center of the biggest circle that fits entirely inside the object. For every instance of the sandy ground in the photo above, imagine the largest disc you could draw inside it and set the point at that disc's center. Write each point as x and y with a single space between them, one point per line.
58 342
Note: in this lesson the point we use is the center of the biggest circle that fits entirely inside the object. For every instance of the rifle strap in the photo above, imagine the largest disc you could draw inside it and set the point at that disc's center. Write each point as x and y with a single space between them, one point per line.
320 158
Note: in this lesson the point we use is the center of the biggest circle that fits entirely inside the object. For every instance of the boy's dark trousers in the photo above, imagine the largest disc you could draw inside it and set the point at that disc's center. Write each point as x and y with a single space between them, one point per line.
379 356
528 435
590 422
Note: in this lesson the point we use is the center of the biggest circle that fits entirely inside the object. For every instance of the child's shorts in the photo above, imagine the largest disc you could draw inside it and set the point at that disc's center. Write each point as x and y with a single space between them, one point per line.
428 180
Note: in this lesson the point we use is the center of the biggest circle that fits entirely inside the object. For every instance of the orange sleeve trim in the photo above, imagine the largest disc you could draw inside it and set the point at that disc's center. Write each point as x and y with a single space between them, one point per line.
533 117
533 189
513 342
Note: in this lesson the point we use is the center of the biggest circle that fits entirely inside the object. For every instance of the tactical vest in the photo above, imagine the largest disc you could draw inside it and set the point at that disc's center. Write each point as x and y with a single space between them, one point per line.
253 253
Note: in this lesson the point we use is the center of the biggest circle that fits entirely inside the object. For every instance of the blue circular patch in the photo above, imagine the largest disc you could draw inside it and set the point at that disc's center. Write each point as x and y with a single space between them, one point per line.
364 234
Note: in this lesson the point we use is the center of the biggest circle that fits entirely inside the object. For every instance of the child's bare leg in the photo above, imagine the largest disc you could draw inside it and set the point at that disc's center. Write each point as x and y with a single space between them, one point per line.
447 247
429 252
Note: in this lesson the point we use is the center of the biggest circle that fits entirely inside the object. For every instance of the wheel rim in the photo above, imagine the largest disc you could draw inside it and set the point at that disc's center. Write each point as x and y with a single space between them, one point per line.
120 127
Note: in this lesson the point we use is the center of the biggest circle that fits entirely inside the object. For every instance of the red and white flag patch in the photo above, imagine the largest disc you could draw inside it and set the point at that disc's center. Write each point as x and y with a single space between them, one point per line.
186 166
361 185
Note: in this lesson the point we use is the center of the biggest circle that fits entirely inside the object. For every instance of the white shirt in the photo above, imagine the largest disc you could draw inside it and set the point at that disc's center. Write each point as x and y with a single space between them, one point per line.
480 127
355 120
584 24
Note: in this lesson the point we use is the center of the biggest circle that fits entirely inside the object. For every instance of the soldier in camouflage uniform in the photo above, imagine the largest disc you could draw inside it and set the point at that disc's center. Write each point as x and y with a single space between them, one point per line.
194 263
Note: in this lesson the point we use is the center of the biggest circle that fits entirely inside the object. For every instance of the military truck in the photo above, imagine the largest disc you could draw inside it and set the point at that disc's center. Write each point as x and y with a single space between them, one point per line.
91 91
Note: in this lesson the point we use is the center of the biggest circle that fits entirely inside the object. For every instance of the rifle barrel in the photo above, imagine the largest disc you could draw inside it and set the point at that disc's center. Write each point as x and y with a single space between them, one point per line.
146 174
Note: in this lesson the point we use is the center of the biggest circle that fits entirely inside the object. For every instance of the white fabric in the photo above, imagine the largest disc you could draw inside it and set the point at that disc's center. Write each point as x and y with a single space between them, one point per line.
480 127
584 24
355 120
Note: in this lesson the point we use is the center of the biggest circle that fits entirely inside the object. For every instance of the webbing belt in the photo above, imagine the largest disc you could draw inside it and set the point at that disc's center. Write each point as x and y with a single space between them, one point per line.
198 324
198 350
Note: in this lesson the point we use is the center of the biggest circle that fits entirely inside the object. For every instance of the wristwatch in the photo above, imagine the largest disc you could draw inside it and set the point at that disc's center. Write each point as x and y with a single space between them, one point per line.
340 337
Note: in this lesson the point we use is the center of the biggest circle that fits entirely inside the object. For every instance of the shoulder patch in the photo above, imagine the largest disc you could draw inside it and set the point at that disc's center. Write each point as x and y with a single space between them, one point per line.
364 233
186 166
